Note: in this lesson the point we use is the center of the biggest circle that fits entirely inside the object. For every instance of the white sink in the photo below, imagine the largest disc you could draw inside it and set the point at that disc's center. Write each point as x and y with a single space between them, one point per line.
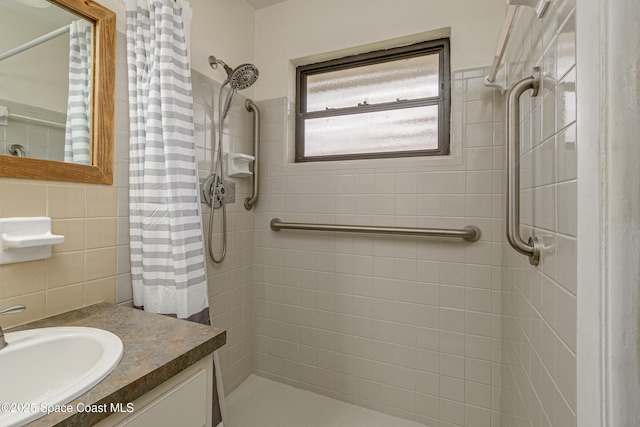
52 366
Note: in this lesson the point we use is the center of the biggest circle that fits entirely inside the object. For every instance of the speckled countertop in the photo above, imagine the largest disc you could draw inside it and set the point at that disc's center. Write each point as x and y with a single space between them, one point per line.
155 349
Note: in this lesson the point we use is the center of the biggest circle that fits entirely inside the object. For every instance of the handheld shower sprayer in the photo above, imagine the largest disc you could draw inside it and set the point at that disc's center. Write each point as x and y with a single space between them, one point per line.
238 78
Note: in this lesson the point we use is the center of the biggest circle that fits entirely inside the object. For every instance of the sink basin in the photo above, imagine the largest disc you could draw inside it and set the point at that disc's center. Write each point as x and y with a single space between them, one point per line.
52 366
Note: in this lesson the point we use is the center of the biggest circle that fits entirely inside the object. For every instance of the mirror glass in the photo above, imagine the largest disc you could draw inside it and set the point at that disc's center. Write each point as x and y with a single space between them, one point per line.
45 82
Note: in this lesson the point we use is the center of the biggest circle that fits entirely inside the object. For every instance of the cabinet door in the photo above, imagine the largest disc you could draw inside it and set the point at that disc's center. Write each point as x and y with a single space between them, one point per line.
184 406
183 400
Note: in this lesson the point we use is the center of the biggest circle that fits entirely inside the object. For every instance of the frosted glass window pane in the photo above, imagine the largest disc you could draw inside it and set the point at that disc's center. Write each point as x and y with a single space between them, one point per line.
410 78
409 129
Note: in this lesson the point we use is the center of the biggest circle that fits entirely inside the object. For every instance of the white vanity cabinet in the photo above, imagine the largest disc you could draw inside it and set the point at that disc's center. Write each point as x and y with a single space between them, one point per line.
184 400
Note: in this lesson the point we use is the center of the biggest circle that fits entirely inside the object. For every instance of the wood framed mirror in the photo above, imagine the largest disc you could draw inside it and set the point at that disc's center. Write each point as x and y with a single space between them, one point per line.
102 103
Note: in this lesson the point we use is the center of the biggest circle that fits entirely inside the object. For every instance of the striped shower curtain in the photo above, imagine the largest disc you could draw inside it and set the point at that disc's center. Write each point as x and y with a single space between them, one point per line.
77 135
167 251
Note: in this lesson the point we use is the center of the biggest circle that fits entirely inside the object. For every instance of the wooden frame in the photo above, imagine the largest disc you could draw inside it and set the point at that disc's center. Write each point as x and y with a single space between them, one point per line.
442 101
102 108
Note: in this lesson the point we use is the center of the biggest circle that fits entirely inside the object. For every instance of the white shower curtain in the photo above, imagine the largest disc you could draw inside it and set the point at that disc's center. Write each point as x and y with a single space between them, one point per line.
78 135
167 252
166 240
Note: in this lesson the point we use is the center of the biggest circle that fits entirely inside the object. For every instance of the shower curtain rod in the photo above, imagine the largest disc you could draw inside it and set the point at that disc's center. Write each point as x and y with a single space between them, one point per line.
4 114
470 233
35 42
502 43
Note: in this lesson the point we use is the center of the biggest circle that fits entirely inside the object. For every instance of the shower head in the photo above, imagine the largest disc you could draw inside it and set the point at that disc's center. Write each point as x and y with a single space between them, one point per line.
243 76
240 77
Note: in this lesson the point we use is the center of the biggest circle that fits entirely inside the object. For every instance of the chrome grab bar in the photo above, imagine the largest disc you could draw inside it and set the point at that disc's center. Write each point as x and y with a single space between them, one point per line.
533 247
250 202
470 233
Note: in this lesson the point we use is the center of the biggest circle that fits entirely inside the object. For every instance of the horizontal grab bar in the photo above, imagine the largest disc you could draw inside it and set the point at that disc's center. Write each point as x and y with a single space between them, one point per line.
471 233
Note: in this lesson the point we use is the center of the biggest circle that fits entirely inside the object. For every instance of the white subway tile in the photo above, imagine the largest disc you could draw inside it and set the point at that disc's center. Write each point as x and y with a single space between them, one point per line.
478 394
479 158
428 405
452 412
479 182
478 112
566 268
566 317
453 182
428 361
477 417
452 343
478 371
478 323
428 339
452 388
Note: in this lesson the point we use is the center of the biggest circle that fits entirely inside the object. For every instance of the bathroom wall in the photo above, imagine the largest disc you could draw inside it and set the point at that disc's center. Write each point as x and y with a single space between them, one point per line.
230 282
407 326
299 28
225 29
82 271
539 329
24 78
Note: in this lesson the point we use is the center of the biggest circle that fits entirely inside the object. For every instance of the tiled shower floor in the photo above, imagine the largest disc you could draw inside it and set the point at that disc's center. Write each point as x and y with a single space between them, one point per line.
259 402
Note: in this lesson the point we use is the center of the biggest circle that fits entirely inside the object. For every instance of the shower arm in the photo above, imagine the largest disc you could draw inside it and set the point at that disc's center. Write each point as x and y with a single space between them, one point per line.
250 202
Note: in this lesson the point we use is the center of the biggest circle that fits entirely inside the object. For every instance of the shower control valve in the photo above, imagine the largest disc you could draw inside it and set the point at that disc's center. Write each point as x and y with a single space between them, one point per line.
225 193
219 193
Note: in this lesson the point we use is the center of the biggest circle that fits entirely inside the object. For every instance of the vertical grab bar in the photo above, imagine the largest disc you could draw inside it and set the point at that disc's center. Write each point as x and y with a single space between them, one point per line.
533 247
250 202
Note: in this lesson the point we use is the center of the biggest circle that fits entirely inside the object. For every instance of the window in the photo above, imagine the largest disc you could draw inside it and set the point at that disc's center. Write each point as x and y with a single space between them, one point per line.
388 103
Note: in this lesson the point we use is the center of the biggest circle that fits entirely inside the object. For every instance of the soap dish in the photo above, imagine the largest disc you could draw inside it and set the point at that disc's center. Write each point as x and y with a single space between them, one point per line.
238 164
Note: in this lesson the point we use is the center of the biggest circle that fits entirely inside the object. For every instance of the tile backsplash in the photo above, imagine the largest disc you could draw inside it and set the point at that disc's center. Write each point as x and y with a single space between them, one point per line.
81 271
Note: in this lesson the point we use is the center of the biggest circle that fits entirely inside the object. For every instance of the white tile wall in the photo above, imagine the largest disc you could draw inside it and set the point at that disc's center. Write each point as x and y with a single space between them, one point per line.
539 328
406 326
230 282
39 141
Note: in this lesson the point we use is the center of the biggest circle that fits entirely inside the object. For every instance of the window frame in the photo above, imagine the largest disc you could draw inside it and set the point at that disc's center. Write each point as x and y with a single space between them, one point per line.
443 100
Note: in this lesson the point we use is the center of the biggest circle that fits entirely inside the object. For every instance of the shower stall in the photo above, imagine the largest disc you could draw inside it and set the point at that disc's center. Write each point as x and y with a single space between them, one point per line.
434 332
440 332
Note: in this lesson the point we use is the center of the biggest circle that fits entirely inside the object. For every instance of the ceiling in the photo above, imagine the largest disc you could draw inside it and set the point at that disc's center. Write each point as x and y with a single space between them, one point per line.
52 17
260 4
